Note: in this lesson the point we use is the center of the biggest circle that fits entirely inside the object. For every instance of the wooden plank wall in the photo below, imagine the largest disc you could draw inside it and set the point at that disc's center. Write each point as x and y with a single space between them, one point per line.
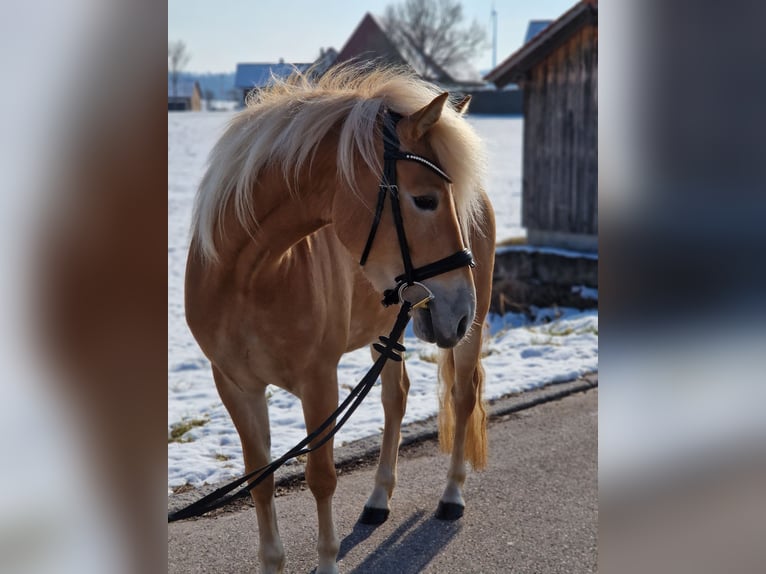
560 179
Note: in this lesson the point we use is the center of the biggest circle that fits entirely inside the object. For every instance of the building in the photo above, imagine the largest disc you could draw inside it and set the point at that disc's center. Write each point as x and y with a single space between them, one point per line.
185 95
256 76
371 42
535 27
557 71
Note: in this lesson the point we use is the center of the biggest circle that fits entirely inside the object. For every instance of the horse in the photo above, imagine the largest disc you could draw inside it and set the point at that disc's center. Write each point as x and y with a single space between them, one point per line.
275 292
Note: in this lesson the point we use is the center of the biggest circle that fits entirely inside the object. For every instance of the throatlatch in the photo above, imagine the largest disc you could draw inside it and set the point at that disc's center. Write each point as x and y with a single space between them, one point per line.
411 276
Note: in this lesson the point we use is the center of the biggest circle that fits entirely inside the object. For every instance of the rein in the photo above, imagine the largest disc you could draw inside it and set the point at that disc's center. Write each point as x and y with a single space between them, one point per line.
390 347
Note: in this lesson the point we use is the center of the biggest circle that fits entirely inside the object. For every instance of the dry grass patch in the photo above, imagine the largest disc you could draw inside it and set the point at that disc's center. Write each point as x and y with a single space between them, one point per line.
178 430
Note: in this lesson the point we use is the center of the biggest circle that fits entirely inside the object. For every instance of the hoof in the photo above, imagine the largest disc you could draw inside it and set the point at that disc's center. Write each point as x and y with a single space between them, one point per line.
449 511
373 516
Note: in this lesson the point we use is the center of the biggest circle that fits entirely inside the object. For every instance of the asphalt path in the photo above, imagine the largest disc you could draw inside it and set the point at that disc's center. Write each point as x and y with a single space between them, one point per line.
533 510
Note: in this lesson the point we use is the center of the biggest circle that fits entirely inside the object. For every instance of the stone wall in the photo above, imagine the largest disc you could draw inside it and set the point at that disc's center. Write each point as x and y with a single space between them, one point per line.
526 276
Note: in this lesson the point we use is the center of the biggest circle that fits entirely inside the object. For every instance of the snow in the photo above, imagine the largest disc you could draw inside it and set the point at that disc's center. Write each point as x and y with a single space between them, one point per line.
585 292
503 138
521 354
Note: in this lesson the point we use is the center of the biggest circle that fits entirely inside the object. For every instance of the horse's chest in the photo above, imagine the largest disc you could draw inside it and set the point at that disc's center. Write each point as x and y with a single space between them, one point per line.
367 326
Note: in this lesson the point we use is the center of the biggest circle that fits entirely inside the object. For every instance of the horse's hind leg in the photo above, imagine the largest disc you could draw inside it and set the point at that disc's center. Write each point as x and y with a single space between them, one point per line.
249 411
395 386
319 399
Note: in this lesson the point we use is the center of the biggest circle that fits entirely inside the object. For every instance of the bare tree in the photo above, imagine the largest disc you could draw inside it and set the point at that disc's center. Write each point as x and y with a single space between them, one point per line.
178 57
435 32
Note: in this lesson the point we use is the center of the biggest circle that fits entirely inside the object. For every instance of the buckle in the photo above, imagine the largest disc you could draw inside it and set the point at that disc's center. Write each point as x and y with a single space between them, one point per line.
420 300
389 187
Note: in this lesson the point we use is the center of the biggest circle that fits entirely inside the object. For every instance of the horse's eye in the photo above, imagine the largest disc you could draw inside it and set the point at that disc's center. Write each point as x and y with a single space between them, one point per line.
426 202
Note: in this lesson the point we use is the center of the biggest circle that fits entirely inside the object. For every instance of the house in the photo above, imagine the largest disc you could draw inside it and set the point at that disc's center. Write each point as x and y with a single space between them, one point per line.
370 42
557 69
535 27
326 59
184 95
256 76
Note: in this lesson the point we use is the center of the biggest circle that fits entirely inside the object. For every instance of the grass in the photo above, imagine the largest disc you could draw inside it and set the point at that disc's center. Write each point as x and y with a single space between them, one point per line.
563 332
548 336
183 488
178 430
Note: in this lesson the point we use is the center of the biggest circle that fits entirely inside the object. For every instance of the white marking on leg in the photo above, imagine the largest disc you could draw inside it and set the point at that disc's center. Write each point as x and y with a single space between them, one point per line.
395 385
327 542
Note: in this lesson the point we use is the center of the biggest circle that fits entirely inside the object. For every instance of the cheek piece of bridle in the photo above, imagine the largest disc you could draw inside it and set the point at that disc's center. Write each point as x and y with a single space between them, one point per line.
389 350
411 276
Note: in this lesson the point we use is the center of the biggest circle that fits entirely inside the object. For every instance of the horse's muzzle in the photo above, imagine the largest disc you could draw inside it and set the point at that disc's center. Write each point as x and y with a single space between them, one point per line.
447 318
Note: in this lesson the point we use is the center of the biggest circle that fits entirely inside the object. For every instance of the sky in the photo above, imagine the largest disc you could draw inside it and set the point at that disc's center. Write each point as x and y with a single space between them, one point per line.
220 33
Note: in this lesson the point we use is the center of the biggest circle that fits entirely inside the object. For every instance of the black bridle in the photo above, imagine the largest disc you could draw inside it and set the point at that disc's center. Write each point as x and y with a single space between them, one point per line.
390 348
411 276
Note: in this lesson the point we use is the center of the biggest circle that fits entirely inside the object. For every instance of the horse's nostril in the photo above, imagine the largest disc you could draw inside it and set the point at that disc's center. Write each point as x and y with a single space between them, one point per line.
462 327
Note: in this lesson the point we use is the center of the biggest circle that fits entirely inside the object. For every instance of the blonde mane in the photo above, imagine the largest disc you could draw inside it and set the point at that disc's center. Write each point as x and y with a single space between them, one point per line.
284 124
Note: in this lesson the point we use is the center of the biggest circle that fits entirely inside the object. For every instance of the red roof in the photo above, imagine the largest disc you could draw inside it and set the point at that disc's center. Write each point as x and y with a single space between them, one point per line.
369 39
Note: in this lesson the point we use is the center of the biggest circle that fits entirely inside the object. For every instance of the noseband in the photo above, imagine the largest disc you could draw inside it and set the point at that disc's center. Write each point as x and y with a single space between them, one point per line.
411 276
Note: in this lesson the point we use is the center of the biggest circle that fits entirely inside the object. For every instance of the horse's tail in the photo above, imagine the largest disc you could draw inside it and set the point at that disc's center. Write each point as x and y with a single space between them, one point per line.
476 426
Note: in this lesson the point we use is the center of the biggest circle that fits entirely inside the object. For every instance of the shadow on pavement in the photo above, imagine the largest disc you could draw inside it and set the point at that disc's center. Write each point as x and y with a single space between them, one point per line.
407 550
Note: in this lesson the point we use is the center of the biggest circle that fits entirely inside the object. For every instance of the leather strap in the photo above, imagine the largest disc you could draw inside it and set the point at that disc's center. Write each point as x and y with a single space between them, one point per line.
455 261
388 186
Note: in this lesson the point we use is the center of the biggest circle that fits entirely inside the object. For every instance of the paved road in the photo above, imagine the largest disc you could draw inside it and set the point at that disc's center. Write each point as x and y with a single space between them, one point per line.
534 510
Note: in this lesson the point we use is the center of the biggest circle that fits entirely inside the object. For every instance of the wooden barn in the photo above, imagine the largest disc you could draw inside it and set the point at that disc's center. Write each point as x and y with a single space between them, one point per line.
557 71
184 95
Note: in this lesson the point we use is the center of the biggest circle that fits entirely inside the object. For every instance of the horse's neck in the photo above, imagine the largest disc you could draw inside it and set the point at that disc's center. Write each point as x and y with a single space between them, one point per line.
291 220
282 219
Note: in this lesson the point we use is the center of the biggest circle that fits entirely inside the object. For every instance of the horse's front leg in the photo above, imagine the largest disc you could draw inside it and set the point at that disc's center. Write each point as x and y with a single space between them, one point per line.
395 386
463 420
249 411
319 399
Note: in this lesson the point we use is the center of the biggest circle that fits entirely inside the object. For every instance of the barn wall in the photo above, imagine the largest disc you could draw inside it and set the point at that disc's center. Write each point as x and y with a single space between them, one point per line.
560 178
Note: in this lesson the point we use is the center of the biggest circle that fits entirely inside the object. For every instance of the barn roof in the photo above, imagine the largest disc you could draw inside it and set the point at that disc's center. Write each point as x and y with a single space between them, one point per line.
259 75
513 68
371 41
184 88
368 41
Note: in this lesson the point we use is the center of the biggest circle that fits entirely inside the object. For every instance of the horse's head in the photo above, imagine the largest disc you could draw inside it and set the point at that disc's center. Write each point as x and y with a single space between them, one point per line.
430 221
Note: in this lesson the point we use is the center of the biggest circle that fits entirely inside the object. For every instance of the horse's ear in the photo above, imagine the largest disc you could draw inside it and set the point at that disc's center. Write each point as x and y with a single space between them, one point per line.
424 119
462 106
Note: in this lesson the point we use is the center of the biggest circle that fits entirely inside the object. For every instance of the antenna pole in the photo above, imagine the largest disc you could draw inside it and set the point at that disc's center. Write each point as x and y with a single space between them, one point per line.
494 36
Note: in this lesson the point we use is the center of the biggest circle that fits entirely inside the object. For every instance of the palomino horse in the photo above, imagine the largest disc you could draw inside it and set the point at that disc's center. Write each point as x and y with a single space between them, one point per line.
275 293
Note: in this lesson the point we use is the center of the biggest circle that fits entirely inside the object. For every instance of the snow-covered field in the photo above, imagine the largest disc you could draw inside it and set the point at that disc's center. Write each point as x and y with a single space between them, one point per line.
558 345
